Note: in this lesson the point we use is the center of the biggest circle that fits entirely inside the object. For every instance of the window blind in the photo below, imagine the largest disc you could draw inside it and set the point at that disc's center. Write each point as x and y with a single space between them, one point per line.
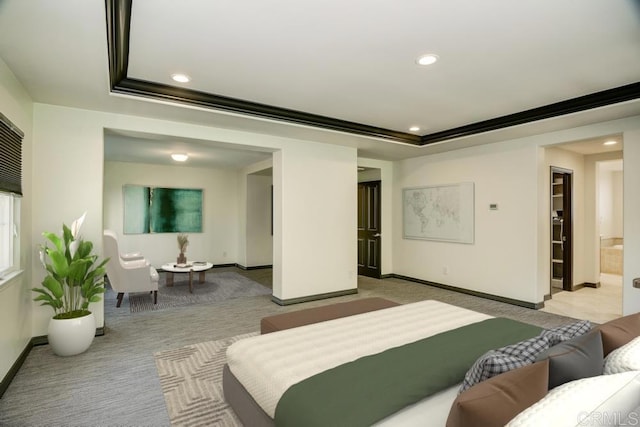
10 156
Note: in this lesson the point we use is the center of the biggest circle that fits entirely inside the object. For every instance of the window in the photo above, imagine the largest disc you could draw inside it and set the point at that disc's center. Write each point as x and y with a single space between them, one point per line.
10 192
9 242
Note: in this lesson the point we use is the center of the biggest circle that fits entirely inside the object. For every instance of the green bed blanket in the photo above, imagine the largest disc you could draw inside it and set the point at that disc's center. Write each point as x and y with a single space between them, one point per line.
364 391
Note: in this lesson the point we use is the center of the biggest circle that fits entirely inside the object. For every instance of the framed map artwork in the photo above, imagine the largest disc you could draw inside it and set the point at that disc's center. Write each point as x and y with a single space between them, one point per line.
440 212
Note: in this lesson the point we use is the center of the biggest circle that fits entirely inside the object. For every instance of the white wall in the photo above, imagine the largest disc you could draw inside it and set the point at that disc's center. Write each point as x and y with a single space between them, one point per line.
617 189
67 181
605 203
243 239
369 174
218 241
592 213
510 256
315 212
259 237
15 293
631 295
611 203
68 155
502 260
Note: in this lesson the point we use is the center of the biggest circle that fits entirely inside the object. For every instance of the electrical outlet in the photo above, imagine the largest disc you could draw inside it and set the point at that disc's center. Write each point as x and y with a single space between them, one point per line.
224 254
445 270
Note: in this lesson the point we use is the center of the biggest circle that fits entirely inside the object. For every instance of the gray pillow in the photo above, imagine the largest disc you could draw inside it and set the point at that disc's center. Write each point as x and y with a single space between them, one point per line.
579 357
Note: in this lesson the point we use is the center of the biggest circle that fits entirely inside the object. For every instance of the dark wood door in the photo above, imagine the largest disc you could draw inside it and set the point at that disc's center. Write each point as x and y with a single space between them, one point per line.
369 229
562 227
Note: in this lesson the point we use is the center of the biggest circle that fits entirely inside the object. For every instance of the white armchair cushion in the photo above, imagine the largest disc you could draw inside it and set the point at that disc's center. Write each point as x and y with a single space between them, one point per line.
139 263
131 256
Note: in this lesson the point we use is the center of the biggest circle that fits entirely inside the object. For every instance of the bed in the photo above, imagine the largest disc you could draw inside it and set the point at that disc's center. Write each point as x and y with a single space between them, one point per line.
346 371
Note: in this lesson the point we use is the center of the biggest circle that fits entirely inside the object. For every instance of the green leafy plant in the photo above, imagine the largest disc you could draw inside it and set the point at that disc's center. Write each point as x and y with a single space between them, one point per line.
74 278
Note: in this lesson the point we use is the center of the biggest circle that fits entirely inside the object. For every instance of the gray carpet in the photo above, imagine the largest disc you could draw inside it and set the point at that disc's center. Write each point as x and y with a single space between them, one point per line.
116 383
218 286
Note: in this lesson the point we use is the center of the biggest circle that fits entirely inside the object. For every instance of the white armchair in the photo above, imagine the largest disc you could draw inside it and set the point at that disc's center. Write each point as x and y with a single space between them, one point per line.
128 272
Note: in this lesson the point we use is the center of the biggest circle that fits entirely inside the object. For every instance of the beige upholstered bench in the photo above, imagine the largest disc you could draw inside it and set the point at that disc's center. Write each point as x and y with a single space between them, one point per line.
308 316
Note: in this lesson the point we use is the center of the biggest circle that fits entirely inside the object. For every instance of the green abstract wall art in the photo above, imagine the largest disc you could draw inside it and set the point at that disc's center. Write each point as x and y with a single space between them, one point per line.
162 210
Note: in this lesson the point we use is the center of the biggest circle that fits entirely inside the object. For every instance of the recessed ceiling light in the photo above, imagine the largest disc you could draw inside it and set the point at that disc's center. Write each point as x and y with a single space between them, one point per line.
414 128
181 78
612 142
427 59
179 157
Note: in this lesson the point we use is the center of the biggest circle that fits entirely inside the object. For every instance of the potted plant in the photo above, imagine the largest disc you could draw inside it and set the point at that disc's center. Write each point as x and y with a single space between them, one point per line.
73 281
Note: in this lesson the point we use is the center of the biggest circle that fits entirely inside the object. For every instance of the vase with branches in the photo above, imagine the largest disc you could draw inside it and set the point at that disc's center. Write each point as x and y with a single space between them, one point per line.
183 242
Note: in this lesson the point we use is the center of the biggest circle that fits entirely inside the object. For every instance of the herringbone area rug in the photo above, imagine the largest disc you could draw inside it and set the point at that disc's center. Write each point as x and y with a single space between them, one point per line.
191 380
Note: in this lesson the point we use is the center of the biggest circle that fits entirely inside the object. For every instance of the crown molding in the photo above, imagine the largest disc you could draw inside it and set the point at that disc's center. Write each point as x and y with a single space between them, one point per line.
118 14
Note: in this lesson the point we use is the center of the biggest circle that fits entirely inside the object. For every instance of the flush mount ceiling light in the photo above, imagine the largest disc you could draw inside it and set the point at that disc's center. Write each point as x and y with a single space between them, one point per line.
179 157
612 142
427 59
414 128
180 78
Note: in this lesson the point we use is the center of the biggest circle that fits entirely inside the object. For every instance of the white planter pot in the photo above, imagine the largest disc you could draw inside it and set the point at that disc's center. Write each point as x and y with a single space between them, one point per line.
69 337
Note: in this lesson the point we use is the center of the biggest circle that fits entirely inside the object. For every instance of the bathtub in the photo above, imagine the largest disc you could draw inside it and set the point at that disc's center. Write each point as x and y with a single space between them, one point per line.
611 256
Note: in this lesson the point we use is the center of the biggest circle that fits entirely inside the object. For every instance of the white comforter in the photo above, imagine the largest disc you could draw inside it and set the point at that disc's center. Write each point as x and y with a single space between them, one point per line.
267 365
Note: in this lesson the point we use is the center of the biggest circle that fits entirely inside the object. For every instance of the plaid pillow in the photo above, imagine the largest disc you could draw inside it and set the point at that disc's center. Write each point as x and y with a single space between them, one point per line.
504 359
567 332
527 350
489 365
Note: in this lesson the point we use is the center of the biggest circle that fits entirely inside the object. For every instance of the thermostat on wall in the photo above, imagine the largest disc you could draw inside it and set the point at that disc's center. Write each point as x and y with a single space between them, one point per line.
493 206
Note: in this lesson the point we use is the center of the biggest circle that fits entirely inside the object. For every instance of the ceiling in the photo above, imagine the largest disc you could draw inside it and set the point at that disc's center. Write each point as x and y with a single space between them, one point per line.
332 71
120 146
595 145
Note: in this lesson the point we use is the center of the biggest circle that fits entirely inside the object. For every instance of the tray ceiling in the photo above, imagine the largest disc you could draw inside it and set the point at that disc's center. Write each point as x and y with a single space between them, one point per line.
351 66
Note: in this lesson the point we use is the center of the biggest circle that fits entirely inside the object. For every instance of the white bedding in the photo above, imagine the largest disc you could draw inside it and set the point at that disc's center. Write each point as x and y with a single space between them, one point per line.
267 365
433 410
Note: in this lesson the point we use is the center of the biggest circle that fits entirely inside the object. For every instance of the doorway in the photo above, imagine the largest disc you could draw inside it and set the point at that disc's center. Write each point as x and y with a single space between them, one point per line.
369 229
561 230
596 191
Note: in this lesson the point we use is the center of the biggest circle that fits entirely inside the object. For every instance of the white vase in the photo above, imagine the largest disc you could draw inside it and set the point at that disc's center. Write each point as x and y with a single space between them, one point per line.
69 337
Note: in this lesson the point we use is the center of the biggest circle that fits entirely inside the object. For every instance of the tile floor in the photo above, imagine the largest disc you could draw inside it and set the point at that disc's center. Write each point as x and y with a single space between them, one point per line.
598 305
